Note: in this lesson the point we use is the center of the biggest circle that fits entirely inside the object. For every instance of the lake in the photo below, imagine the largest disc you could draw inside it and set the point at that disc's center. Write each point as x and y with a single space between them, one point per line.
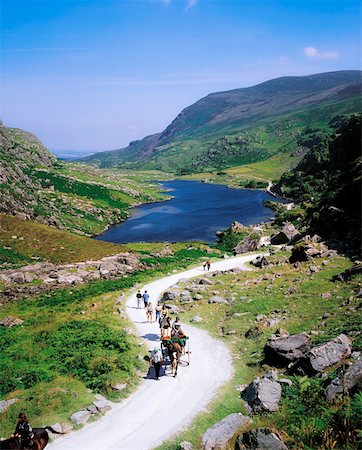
195 213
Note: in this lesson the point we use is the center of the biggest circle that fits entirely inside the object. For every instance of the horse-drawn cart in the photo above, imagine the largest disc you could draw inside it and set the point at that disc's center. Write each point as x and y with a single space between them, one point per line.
174 348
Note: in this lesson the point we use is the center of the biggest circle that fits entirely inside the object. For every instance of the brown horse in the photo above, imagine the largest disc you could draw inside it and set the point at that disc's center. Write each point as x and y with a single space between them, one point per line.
40 440
174 351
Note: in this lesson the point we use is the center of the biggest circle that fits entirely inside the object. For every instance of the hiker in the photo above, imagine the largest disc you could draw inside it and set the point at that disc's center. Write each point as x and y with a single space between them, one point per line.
156 361
176 324
207 265
138 297
149 312
158 309
24 431
166 328
145 298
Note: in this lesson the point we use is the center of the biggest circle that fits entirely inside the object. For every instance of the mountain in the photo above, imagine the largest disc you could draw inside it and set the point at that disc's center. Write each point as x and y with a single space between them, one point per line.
243 125
34 185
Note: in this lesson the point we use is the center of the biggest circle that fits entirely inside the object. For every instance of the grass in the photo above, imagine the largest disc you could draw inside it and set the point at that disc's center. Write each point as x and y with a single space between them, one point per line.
254 295
25 242
73 340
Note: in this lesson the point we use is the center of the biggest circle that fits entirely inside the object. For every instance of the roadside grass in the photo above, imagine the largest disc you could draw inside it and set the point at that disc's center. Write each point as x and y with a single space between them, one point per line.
75 337
255 293
37 242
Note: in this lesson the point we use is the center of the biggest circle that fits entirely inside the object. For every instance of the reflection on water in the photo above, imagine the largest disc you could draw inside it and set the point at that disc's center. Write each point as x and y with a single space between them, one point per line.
196 211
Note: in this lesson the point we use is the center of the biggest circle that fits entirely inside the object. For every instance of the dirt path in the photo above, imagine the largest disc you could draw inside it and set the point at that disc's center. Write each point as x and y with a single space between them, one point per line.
159 409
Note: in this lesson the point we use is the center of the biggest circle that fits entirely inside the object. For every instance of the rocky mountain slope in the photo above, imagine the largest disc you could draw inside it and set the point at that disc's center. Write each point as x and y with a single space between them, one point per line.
244 125
35 185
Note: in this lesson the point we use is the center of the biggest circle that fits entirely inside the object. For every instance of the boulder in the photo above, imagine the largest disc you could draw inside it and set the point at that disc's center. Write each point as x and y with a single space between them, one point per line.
326 355
347 382
185 445
119 387
348 274
10 321
219 435
261 261
263 395
185 297
80 417
304 251
174 309
285 235
196 319
206 281
102 404
5 404
216 299
69 279
250 243
280 351
260 439
169 295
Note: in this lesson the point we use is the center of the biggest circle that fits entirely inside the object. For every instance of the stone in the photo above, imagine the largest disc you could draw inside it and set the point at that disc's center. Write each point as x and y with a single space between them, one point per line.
10 321
169 295
102 404
260 439
92 409
119 386
249 243
280 351
253 333
174 309
17 277
197 297
313 269
260 262
216 299
326 295
285 235
347 382
206 281
56 427
80 417
196 319
219 435
326 355
185 445
69 279
263 395
5 404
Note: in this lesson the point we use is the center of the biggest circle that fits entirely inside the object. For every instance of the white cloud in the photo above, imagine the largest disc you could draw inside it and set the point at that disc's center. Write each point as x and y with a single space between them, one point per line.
191 3
312 52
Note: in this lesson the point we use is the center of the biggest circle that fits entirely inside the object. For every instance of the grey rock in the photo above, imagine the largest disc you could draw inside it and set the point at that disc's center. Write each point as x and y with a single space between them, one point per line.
174 309
285 235
216 299
5 404
185 445
326 355
197 297
102 404
196 319
219 435
326 295
260 439
206 281
263 395
80 417
119 386
169 295
350 380
284 350
92 409
10 321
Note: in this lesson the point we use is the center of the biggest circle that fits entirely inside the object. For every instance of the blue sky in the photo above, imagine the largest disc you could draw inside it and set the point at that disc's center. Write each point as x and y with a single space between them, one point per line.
96 74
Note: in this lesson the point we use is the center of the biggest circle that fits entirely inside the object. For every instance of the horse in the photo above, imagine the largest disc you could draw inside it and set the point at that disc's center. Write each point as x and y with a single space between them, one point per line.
174 351
40 440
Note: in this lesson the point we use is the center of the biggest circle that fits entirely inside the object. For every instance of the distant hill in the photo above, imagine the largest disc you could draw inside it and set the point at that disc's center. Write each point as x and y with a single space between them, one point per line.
34 185
243 125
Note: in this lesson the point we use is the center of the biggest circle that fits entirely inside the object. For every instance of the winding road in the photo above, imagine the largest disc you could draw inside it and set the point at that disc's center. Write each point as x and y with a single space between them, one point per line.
159 409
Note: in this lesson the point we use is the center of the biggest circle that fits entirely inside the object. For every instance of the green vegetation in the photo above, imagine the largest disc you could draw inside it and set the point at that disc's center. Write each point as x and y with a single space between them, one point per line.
303 419
25 242
327 185
73 339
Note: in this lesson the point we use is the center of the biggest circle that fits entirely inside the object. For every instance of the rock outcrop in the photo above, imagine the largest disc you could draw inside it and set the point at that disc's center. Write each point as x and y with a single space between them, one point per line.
219 435
281 351
285 235
263 395
260 439
346 382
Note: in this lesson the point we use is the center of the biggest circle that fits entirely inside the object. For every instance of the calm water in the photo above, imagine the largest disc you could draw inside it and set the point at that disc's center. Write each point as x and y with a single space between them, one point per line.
195 213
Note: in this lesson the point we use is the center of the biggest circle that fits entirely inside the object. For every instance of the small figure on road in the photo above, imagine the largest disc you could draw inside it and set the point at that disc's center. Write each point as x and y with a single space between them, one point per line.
145 298
156 360
138 297
158 309
207 265
149 312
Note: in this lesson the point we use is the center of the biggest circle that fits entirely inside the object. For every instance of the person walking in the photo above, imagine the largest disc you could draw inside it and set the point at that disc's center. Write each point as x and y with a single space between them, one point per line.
138 298
149 312
156 361
158 309
145 298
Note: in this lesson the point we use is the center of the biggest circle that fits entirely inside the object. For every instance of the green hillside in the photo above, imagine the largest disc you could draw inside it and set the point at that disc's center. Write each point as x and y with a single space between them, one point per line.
75 197
245 126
